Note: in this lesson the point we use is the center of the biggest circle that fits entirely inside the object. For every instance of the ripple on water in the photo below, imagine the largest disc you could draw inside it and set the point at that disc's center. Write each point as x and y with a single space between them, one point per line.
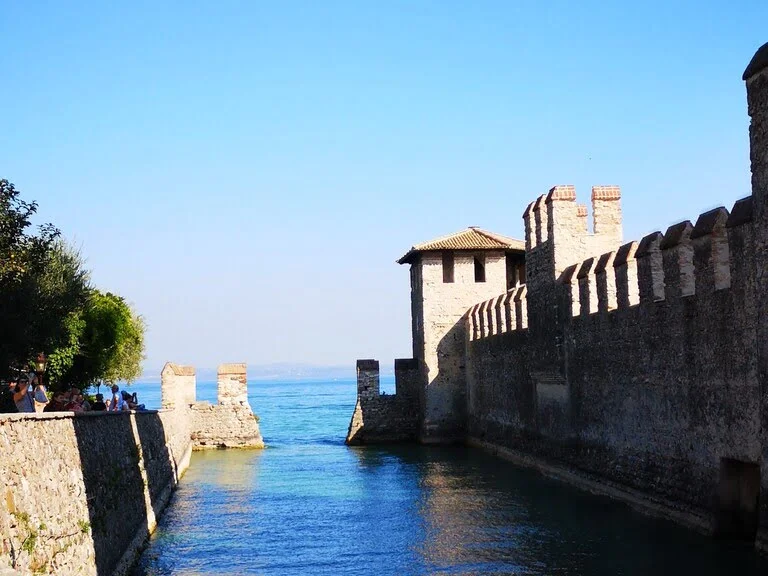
310 505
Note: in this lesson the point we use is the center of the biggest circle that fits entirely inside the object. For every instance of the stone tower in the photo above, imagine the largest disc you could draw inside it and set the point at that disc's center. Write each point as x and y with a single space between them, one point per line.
557 236
448 276
756 77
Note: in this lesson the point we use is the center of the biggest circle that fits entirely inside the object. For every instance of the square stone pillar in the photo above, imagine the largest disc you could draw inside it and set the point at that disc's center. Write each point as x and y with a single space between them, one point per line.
232 384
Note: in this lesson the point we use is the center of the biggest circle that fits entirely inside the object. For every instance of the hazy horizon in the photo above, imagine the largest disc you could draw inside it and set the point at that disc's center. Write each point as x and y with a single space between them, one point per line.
247 174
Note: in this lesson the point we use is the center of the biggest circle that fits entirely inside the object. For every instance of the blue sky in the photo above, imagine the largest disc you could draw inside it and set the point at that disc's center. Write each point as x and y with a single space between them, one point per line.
246 173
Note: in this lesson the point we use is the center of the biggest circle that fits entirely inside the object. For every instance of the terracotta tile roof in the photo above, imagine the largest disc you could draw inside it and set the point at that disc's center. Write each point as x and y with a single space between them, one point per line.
472 238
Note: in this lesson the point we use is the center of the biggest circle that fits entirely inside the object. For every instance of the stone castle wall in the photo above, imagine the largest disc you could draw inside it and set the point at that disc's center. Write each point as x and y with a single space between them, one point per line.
230 423
639 369
653 396
82 492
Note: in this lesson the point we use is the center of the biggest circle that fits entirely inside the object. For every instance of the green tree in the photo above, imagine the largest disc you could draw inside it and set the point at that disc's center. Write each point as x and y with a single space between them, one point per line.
42 284
48 305
106 344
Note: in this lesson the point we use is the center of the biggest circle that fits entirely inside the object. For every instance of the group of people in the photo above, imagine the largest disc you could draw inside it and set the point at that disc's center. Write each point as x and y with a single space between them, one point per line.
30 395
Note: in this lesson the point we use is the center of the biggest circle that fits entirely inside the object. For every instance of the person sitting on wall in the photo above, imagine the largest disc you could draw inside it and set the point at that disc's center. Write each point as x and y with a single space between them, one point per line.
22 396
99 405
116 402
73 404
58 402
83 401
130 401
40 395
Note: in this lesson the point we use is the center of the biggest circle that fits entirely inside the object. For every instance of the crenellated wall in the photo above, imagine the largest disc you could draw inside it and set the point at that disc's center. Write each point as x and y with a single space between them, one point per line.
83 491
643 368
385 418
651 383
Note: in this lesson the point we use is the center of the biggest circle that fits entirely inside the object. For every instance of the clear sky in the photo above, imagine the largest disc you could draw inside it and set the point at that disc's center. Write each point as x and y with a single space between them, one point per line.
246 173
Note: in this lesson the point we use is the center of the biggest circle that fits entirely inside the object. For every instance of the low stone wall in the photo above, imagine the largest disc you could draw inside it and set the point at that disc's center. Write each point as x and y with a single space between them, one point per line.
224 426
383 418
82 491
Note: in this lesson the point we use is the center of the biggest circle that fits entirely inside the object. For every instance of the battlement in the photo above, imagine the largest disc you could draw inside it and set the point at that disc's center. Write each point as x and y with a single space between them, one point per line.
642 363
685 261
232 384
178 385
558 233
507 312
556 213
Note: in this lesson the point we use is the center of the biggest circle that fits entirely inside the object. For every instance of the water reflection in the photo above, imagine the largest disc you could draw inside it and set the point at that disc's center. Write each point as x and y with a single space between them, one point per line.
310 505
483 515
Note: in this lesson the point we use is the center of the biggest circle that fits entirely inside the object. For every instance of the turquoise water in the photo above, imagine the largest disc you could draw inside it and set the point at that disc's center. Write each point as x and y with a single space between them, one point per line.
310 505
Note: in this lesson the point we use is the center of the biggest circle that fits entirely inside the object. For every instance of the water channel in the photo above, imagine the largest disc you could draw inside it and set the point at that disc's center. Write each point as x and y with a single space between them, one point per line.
310 505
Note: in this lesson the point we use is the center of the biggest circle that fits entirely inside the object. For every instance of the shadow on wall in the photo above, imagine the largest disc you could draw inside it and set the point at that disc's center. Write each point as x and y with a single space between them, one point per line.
445 411
120 454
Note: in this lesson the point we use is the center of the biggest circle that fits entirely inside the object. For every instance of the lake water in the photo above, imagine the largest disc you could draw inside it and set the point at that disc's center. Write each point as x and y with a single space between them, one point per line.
307 504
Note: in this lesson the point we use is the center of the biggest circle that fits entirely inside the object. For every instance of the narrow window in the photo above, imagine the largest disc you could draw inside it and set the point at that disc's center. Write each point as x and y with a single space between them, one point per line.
512 273
521 270
448 267
479 269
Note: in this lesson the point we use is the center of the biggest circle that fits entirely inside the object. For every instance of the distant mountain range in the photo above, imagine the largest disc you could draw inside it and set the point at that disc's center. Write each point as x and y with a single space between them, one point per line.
277 371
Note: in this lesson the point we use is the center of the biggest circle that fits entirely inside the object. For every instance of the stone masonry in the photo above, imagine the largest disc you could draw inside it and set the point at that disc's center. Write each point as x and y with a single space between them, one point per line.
642 371
382 418
228 424
447 276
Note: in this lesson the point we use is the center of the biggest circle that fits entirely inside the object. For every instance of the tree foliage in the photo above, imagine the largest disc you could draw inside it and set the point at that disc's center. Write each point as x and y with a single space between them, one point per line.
41 283
47 304
106 345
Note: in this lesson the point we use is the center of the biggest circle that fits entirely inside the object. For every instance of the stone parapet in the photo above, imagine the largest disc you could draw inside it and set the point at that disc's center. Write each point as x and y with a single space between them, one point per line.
87 494
386 418
59 513
224 426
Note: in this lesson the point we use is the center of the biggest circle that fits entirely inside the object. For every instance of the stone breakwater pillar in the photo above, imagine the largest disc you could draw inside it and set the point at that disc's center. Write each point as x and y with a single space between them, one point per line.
177 386
367 391
231 423
756 77
232 384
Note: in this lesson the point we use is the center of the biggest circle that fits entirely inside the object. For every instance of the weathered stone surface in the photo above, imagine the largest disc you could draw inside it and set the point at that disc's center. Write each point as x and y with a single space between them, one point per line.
232 384
646 373
757 98
224 426
82 492
382 418
177 385
665 397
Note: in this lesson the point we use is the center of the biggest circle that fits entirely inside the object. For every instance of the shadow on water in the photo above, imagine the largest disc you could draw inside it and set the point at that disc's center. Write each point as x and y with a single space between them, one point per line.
484 515
112 466
310 505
